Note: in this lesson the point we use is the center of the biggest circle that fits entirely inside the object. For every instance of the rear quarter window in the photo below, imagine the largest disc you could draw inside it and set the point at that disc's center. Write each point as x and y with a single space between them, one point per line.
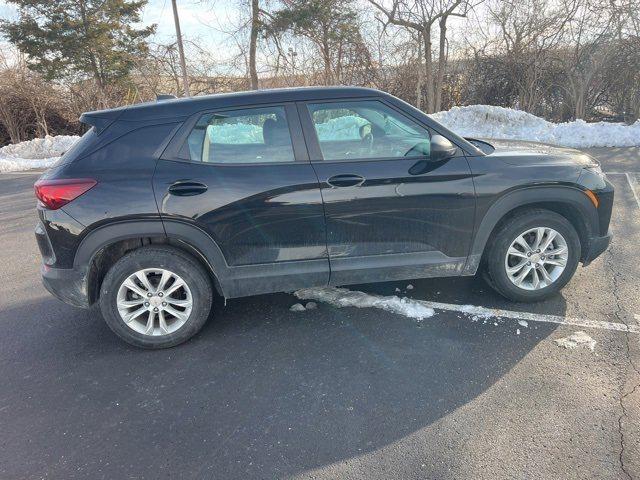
84 143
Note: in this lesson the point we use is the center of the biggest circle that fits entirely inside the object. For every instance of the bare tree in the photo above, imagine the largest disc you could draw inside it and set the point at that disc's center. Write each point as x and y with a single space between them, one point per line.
26 99
529 30
421 17
253 43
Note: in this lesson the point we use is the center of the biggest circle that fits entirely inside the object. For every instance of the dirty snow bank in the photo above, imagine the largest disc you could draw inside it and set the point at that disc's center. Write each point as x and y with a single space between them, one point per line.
341 297
488 121
36 153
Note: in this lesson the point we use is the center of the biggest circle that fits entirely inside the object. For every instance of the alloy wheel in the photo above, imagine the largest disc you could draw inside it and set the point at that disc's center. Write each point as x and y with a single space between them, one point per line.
536 258
154 301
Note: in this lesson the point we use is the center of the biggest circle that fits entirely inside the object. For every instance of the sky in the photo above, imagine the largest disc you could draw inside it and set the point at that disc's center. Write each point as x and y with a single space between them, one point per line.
204 20
200 19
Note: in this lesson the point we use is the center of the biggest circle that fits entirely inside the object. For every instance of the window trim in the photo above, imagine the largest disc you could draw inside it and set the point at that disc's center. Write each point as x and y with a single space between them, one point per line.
313 144
175 150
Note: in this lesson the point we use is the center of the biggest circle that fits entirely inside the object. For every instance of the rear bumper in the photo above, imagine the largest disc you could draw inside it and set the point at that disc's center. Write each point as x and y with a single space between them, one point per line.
68 285
597 245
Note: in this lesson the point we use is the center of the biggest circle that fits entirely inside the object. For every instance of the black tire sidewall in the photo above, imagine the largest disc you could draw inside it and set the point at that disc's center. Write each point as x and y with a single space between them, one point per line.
157 257
502 241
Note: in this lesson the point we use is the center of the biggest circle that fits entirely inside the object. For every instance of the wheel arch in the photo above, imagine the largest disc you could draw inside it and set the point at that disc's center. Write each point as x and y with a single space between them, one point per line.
102 247
570 202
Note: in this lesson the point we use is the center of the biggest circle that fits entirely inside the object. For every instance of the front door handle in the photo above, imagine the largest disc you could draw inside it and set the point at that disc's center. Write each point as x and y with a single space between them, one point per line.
346 180
187 189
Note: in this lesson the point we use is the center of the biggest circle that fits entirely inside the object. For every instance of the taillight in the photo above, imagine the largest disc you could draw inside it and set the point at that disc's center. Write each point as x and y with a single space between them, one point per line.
53 194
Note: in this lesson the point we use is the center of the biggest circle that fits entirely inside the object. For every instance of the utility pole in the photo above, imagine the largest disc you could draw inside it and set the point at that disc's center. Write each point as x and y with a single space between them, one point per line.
183 65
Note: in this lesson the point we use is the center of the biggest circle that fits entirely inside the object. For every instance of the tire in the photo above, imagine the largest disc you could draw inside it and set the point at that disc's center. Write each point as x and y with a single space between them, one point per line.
506 234
190 299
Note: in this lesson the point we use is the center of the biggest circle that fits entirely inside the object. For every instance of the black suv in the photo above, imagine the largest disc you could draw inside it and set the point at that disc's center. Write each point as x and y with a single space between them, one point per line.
160 204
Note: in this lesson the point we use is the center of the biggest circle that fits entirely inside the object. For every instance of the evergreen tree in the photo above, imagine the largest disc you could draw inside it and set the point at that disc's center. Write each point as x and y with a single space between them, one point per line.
78 39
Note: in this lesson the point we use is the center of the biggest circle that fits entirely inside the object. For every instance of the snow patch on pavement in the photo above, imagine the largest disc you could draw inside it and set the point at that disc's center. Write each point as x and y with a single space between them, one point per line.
341 297
488 121
36 153
577 340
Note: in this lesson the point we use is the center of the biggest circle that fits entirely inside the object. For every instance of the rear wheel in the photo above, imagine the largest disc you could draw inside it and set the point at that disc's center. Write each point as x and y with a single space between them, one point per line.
532 255
156 297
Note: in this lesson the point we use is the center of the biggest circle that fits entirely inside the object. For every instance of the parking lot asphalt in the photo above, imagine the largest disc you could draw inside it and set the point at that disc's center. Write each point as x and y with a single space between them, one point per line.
264 392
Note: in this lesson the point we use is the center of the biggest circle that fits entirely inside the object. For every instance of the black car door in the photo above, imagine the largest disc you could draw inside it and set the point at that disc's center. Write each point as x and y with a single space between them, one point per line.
391 213
243 176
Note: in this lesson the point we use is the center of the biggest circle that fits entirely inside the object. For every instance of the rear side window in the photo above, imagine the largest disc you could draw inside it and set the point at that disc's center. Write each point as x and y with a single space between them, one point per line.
252 135
367 130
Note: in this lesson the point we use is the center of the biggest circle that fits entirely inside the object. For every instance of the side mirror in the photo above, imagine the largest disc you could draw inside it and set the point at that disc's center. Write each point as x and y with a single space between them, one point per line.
441 148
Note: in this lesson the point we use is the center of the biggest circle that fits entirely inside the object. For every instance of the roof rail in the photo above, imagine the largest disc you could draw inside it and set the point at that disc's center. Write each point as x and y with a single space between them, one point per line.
164 96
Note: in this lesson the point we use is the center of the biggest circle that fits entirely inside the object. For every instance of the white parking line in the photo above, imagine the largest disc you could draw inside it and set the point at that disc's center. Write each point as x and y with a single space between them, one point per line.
532 317
633 183
420 309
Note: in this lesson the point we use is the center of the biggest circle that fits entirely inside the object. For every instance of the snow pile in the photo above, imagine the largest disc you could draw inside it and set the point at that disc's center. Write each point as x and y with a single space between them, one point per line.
341 297
577 340
36 153
235 133
487 121
341 128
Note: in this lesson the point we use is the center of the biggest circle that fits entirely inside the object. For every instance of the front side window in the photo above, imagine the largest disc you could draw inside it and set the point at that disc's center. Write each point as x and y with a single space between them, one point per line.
252 135
367 130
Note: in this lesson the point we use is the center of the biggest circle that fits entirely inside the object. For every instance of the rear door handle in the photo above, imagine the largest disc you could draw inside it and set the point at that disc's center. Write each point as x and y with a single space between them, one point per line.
346 180
187 189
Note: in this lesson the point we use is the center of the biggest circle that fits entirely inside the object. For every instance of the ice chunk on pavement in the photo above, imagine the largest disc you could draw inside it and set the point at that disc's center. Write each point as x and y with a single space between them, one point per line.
341 297
311 306
577 340
297 307
523 323
476 313
517 331
409 287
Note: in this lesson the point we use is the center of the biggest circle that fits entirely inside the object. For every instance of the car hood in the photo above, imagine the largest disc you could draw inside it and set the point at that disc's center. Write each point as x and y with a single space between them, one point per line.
519 152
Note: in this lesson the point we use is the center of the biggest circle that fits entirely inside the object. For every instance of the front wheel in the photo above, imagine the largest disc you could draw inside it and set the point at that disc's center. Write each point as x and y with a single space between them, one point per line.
532 255
156 297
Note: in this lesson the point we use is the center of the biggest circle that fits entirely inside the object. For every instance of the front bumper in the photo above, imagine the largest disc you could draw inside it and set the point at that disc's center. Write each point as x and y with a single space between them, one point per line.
597 245
66 284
